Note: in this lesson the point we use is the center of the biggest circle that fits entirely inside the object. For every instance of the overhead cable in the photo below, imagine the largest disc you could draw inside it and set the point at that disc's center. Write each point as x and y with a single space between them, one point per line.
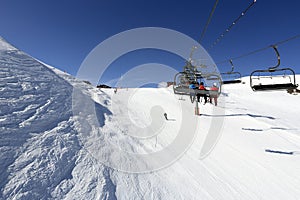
261 49
208 20
232 24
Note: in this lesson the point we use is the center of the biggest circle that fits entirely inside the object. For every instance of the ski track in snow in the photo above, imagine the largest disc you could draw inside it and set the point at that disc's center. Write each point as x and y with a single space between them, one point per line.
43 153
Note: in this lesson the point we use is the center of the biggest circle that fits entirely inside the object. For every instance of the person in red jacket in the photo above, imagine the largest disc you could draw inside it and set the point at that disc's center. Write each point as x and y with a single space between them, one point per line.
214 96
201 87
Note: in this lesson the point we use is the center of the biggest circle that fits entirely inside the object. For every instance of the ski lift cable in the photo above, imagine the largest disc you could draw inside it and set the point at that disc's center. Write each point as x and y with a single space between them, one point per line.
287 40
232 24
204 29
208 20
261 49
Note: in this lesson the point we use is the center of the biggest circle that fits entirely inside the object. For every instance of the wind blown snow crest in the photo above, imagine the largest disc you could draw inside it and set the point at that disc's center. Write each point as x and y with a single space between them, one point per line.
4 46
39 147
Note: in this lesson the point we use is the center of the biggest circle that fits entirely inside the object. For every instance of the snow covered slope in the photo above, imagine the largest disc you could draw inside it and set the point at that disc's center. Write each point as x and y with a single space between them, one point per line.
48 150
40 152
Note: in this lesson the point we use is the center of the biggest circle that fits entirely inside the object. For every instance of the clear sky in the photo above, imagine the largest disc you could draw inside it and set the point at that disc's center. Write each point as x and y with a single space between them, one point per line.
62 33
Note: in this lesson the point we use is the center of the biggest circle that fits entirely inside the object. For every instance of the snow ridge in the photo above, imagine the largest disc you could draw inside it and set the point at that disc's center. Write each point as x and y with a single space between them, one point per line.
4 46
39 146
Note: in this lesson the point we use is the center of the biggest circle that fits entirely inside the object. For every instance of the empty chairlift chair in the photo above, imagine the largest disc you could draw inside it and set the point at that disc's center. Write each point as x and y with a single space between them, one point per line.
273 78
231 77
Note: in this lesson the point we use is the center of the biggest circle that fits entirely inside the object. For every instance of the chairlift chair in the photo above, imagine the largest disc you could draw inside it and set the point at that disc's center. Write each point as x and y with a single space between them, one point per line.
182 81
208 79
231 77
191 74
181 84
273 78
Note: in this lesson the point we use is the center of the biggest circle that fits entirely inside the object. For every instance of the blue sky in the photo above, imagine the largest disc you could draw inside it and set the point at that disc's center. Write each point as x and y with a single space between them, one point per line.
62 33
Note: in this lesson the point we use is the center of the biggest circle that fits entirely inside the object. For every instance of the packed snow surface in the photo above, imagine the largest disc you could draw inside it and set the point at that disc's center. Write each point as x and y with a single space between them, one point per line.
50 151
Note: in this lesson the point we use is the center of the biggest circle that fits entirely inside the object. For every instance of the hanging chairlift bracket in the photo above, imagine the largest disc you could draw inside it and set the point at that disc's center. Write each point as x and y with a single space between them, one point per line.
272 69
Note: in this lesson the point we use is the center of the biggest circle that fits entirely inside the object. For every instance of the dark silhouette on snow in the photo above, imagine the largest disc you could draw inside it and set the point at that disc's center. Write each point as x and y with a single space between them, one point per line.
166 116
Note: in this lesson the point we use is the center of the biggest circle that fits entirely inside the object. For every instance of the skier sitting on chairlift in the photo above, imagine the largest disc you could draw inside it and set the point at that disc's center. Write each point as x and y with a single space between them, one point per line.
193 85
201 87
214 96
